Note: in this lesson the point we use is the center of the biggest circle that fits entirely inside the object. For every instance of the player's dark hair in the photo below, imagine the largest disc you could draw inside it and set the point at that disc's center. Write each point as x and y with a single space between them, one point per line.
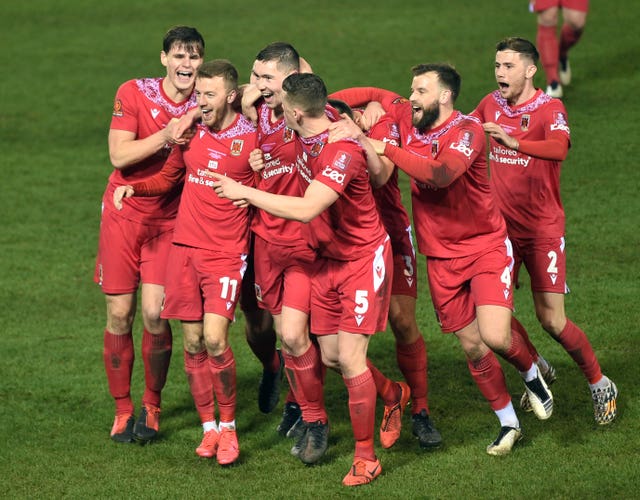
220 67
285 55
519 45
447 76
185 36
308 91
341 107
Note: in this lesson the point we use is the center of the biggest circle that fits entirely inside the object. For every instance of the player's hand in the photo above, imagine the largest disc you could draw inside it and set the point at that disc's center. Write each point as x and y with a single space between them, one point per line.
225 187
120 193
250 95
256 160
344 129
371 114
497 132
177 131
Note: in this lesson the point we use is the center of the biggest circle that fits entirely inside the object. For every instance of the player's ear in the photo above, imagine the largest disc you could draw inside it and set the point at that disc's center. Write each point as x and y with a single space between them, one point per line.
232 95
531 71
163 57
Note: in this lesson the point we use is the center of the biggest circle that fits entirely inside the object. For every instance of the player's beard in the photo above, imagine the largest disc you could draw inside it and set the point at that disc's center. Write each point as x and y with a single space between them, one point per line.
429 116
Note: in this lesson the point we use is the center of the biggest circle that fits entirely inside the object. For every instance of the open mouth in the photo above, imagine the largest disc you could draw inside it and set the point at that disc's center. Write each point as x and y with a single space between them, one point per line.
503 85
185 74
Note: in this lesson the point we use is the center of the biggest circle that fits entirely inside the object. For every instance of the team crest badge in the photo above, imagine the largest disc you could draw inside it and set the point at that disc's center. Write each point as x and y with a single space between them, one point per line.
316 148
117 108
287 135
236 147
524 122
341 160
434 148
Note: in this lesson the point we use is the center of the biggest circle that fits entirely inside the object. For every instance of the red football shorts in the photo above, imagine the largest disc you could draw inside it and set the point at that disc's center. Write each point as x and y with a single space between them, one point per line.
459 285
405 275
540 5
202 281
546 263
283 275
129 253
352 296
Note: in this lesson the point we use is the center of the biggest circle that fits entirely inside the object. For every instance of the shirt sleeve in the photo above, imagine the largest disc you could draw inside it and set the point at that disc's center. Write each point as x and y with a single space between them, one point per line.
172 173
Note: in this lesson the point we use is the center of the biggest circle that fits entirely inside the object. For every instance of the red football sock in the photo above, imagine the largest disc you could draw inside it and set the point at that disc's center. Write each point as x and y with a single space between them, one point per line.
519 329
362 410
518 354
118 355
568 38
576 343
223 371
412 361
295 393
156 354
549 50
308 375
387 389
489 377
200 381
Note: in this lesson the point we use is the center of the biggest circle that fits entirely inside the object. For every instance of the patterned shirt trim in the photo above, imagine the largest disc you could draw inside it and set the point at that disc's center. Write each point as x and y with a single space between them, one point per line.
457 119
541 100
242 126
150 88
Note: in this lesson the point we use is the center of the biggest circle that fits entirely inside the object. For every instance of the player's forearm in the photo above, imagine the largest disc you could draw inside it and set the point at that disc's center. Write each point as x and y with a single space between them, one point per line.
287 207
127 153
361 96
439 174
549 149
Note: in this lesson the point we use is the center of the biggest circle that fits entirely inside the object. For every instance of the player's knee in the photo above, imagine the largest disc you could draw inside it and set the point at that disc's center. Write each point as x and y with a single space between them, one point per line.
296 343
215 347
119 319
552 322
152 321
404 328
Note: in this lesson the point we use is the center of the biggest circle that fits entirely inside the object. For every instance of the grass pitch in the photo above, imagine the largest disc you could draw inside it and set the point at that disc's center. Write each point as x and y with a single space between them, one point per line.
63 62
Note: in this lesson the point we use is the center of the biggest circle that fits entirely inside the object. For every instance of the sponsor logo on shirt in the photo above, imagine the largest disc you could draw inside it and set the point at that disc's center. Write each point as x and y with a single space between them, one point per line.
213 164
559 122
506 156
463 145
341 160
216 155
524 122
334 175
497 115
117 108
394 132
155 112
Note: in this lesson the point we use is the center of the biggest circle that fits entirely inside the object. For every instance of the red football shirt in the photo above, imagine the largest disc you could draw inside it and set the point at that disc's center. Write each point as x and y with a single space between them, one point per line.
204 219
527 189
461 219
142 107
389 198
350 228
279 176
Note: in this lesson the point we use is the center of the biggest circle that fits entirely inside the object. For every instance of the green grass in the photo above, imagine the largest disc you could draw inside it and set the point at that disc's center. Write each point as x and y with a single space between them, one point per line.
62 64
